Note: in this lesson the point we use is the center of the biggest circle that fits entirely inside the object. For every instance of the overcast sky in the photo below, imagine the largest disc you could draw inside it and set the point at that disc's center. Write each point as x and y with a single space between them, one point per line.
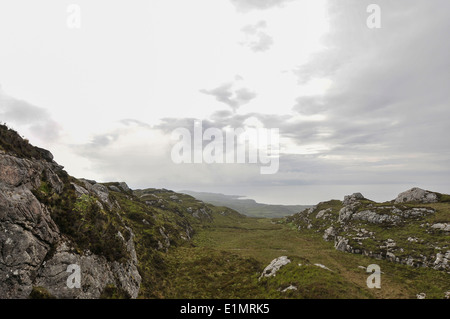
358 109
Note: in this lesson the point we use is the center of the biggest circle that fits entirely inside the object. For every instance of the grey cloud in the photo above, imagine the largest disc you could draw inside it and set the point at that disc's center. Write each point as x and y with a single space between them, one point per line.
309 105
234 98
255 38
385 119
129 122
18 112
249 5
220 115
142 166
167 125
390 92
106 140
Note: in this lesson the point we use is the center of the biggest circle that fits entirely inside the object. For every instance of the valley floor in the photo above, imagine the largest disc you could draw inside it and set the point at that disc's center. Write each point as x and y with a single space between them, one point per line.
228 257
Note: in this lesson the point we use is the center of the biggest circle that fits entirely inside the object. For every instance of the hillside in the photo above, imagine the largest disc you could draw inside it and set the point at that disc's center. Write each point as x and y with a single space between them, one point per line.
156 243
248 207
413 229
118 238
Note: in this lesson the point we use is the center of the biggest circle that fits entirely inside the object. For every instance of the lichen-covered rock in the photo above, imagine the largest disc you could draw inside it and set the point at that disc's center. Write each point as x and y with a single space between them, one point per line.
350 199
274 266
417 195
34 252
350 206
96 273
102 193
124 187
291 287
442 260
348 228
324 213
441 226
114 188
80 190
341 244
375 218
26 235
329 233
322 266
346 213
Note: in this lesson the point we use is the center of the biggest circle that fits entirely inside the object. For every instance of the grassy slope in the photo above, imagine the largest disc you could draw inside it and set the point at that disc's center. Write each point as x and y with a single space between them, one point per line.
429 241
229 255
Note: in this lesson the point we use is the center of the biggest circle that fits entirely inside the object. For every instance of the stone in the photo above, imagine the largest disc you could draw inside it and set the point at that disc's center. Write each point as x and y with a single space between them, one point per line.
274 266
422 295
89 181
441 261
102 192
323 213
375 218
416 195
345 213
114 188
349 199
291 287
323 267
95 274
165 237
341 244
79 190
28 234
125 187
329 233
441 226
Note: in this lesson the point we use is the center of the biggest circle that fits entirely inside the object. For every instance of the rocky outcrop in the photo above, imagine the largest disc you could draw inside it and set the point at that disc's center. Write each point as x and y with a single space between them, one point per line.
96 273
27 231
330 233
441 226
274 266
417 195
351 199
351 203
375 218
124 187
442 261
34 252
351 210
359 226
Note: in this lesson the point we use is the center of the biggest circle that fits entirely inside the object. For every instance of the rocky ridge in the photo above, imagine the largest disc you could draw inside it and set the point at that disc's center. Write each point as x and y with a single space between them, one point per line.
413 229
52 224
34 252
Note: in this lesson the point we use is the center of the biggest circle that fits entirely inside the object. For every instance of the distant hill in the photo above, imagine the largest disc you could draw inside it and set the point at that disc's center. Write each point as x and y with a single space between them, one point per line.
247 207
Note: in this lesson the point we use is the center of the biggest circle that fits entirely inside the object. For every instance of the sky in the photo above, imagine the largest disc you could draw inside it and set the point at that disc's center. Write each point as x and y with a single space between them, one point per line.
102 84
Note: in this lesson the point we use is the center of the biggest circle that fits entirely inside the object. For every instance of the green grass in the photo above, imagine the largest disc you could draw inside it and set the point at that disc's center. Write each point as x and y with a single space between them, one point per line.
249 244
112 292
40 293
